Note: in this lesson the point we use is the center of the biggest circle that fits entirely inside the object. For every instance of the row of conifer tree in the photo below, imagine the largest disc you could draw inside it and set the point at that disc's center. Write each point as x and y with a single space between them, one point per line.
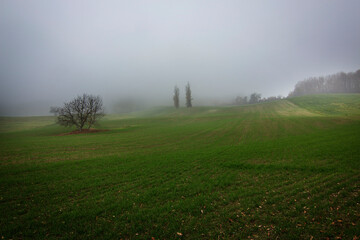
188 97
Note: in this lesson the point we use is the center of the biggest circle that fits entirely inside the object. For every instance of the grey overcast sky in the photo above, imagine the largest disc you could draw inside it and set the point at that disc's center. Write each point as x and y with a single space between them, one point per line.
51 51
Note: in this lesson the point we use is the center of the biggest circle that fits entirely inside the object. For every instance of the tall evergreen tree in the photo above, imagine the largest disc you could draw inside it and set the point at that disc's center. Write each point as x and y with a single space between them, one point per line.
176 97
188 96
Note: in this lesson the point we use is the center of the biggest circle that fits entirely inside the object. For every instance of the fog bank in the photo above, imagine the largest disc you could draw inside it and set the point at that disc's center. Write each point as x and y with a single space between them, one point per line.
52 51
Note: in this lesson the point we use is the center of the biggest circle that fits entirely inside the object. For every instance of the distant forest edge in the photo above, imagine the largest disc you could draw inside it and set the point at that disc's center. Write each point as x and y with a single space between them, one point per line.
335 83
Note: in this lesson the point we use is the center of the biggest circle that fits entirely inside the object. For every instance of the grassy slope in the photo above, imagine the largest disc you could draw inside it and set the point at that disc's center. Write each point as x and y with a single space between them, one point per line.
286 169
11 124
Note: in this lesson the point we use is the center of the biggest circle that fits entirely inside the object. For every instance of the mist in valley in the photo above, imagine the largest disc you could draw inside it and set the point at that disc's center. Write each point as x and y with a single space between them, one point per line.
133 53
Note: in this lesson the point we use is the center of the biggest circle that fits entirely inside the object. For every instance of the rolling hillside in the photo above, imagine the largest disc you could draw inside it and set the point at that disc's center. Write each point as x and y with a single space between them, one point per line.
287 169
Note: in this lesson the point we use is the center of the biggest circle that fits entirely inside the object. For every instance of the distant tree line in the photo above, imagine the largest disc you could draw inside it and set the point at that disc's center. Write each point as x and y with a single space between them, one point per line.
254 98
335 83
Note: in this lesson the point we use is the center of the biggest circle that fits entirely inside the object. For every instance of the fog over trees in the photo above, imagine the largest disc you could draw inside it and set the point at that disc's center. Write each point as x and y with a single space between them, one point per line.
133 53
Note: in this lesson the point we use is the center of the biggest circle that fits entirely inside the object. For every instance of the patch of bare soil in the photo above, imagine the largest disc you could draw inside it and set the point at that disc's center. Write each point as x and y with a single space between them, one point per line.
83 131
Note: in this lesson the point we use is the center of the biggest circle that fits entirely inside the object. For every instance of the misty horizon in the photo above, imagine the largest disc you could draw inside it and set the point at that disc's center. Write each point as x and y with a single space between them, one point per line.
137 51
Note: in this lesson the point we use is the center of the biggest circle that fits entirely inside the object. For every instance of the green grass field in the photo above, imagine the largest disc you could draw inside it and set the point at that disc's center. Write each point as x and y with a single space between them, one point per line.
288 169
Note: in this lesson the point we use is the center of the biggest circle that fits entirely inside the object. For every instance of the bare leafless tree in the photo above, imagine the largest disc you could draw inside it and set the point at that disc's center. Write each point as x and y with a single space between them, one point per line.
335 83
176 97
188 96
83 111
240 100
255 98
